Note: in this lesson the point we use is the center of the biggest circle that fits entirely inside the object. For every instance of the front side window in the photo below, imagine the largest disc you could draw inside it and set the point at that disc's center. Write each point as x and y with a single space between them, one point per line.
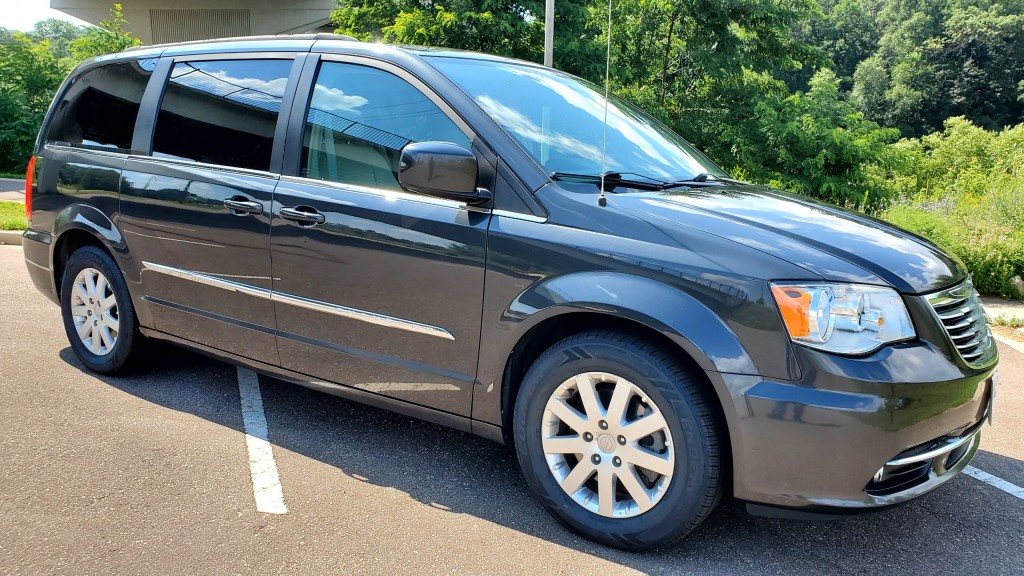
559 120
100 107
222 112
359 120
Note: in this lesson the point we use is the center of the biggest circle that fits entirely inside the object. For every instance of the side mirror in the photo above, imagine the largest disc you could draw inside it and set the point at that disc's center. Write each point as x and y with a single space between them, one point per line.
441 169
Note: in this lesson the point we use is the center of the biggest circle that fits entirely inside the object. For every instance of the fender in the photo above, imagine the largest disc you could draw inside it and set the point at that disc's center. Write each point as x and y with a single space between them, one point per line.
688 322
669 310
96 223
89 219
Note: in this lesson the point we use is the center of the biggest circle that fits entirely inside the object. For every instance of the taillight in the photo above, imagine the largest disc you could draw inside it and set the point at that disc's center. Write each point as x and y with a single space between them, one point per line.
29 173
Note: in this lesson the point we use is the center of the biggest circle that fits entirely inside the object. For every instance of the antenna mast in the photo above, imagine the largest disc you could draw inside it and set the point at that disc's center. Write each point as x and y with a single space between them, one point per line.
601 200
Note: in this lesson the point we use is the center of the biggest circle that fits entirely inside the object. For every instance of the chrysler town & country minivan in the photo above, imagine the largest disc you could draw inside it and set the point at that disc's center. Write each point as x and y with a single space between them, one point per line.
435 232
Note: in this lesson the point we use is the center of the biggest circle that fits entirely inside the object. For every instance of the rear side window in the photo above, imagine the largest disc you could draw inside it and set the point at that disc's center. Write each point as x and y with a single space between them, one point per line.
222 112
359 120
100 107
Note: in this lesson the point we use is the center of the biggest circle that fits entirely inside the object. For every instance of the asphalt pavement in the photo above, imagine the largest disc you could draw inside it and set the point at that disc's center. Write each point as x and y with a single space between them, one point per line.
11 189
150 474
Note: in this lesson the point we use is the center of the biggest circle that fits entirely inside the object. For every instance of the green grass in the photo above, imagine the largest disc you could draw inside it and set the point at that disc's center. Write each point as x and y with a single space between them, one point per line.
12 175
1008 321
12 216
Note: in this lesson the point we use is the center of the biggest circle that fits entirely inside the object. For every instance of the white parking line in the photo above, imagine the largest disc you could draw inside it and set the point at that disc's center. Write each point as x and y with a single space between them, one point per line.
1008 487
266 484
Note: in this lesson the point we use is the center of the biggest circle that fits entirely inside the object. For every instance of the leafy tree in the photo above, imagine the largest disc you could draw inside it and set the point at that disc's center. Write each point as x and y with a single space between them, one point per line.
847 34
108 38
979 61
32 67
60 34
500 27
816 143
29 74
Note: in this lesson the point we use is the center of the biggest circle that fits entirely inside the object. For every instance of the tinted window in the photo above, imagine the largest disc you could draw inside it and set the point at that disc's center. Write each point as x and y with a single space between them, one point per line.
359 120
100 108
560 121
222 112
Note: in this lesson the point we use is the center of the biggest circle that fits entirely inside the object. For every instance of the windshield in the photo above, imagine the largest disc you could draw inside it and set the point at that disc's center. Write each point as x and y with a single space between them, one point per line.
559 120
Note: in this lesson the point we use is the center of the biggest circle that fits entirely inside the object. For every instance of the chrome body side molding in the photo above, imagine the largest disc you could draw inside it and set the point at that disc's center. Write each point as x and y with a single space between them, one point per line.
325 307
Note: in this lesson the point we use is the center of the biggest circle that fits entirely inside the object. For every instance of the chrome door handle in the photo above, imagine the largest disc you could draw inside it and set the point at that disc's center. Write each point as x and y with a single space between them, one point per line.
240 205
304 215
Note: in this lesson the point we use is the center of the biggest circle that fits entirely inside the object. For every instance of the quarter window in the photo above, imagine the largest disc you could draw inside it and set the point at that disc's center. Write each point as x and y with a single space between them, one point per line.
222 112
359 120
100 107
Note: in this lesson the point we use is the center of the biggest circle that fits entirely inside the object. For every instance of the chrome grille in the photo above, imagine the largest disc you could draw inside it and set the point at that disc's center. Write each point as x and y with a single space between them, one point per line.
959 309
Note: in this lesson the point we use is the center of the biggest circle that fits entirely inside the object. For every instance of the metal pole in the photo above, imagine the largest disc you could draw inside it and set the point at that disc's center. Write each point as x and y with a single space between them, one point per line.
549 33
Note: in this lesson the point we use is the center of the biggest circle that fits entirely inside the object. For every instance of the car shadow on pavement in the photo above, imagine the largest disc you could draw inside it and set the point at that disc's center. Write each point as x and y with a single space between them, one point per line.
965 524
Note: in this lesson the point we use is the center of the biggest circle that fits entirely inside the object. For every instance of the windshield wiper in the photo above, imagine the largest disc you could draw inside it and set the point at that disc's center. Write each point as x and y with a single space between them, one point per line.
613 180
703 179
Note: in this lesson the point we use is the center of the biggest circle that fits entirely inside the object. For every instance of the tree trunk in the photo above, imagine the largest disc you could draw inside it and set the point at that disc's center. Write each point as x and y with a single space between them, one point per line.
668 49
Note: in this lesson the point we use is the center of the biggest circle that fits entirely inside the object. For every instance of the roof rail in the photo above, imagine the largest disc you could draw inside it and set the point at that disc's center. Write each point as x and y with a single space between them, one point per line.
333 36
317 36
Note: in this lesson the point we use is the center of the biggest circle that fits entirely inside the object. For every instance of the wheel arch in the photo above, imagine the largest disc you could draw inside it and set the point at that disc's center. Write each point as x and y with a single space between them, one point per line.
555 328
80 225
661 314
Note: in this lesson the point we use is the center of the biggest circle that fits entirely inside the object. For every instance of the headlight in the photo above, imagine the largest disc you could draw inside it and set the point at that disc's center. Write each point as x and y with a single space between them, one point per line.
842 318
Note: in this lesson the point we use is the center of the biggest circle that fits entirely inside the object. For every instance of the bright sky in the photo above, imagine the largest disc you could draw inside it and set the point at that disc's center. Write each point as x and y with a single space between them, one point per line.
23 14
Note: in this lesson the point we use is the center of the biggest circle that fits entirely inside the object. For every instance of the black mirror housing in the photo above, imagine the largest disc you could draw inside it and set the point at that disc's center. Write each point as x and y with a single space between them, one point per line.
440 169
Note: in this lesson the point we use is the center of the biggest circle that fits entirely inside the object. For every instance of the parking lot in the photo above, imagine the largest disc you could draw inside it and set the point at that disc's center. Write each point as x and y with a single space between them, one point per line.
151 474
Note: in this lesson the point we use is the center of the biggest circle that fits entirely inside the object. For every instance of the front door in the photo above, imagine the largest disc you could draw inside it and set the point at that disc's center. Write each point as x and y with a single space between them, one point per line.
376 288
196 216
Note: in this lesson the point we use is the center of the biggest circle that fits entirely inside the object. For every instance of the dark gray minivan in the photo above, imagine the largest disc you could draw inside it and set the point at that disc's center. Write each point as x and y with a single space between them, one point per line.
438 233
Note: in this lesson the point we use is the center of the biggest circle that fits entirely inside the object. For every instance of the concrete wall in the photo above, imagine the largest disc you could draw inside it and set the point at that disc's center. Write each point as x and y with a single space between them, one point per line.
157 21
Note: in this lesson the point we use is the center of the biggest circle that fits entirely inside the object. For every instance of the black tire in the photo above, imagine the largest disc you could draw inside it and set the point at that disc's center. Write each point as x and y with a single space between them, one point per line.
691 494
120 356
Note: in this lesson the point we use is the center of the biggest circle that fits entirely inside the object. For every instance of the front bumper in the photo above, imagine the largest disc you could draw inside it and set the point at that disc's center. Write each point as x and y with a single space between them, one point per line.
856 433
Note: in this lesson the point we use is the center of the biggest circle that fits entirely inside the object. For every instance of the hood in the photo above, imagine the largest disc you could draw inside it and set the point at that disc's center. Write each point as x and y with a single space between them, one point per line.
829 242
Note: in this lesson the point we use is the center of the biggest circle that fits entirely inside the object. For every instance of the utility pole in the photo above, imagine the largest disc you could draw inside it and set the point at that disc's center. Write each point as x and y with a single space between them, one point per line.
549 33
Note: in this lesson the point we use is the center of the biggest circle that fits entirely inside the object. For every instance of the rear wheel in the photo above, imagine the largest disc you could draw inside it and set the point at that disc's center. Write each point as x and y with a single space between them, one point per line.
99 318
618 441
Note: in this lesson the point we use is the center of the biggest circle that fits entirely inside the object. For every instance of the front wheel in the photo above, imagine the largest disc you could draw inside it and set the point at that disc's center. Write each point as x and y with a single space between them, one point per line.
99 318
618 441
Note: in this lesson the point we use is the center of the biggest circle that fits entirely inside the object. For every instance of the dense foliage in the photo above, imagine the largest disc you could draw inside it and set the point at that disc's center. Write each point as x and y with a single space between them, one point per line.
809 95
803 94
964 189
32 67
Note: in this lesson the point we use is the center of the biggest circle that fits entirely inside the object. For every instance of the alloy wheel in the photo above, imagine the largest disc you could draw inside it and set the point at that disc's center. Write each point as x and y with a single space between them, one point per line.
94 309
607 445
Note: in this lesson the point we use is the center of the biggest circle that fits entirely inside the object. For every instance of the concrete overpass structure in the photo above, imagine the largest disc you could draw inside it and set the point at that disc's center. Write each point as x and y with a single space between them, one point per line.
160 21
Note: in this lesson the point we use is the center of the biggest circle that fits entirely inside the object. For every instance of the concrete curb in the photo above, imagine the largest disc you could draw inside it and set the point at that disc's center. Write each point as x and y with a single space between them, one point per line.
1019 347
11 237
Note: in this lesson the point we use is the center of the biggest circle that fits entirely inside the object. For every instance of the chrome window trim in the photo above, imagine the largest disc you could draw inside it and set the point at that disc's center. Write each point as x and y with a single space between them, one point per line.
82 149
520 216
186 163
307 303
384 193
